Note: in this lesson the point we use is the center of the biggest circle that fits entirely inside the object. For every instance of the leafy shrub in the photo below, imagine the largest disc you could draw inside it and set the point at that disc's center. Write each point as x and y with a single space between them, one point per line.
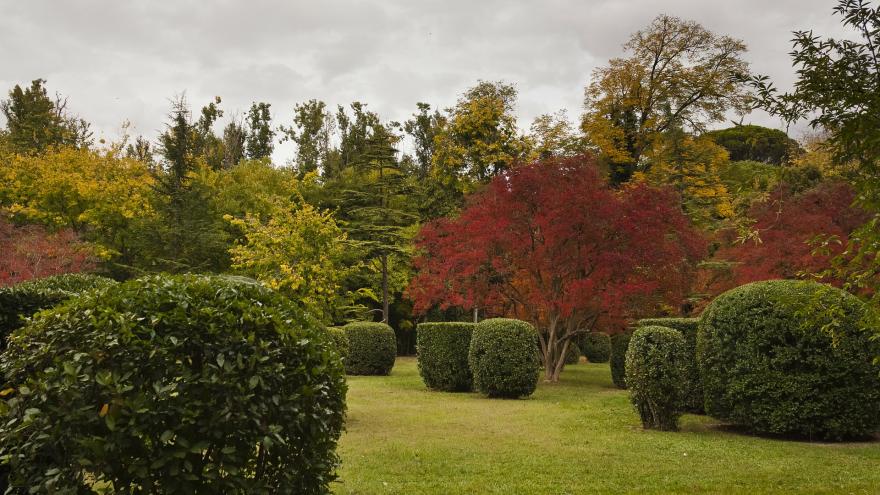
22 300
596 347
573 355
619 345
173 384
790 357
693 400
340 340
656 364
372 348
442 349
503 359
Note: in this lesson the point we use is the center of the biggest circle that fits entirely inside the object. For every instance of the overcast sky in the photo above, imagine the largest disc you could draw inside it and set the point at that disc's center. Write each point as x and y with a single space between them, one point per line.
123 60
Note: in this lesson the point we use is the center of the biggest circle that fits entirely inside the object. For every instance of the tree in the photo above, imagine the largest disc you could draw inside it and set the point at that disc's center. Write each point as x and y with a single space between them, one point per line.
234 138
35 122
259 134
552 244
31 251
835 90
313 127
553 136
755 143
677 75
423 127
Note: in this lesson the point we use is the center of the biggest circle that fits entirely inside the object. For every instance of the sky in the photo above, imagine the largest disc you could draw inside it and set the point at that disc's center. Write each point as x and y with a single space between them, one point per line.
124 60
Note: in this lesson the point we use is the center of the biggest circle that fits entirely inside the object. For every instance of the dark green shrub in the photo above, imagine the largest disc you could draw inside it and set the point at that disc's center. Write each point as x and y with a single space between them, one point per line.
340 340
619 345
21 301
503 358
656 364
442 349
790 357
371 348
573 355
596 347
173 384
693 401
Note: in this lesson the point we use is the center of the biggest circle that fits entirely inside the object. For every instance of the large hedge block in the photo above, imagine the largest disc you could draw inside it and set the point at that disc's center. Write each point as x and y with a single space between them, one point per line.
442 350
693 401
503 358
656 363
372 348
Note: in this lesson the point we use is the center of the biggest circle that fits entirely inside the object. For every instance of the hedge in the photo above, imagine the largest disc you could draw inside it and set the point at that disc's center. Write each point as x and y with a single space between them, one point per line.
619 345
503 358
22 300
693 401
173 384
573 355
791 357
442 350
340 340
656 365
596 347
372 348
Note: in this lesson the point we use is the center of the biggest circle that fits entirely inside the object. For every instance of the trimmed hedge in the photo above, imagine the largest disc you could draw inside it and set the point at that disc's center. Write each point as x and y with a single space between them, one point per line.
596 347
372 348
573 356
503 359
173 384
656 365
791 357
619 345
22 300
340 340
693 401
442 350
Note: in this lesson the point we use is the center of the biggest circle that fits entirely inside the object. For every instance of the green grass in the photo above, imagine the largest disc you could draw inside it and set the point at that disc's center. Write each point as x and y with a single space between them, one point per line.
578 436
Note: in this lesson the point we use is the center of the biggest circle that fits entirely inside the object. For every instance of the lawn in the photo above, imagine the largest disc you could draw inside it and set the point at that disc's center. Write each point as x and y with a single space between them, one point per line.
578 436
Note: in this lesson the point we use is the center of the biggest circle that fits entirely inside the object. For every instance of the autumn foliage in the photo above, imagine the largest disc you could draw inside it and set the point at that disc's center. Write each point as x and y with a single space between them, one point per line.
31 252
551 243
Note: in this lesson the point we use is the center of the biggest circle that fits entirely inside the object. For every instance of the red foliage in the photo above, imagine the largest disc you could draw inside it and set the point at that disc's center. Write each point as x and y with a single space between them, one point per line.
552 244
787 223
30 252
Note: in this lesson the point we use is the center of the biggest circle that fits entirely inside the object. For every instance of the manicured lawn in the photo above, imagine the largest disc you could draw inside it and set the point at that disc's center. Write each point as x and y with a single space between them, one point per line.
579 436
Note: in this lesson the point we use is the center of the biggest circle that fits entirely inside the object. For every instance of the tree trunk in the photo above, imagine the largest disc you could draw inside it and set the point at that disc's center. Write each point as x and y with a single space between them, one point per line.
385 304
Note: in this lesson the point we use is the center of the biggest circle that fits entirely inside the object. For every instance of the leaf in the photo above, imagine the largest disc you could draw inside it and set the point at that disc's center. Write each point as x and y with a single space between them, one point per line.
104 410
5 392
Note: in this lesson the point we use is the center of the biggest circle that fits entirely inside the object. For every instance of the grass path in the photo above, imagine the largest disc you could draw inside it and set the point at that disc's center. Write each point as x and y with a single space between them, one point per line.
578 436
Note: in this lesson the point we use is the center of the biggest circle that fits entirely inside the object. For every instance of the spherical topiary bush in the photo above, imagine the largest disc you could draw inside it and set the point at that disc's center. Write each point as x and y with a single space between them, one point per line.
372 348
573 355
790 357
340 340
596 347
172 384
656 364
693 400
619 345
442 350
503 358
22 300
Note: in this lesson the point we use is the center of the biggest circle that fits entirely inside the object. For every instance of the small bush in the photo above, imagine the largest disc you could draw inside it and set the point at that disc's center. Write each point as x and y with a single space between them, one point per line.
573 355
21 301
790 357
503 359
184 384
656 363
340 340
442 350
372 348
596 347
693 401
619 345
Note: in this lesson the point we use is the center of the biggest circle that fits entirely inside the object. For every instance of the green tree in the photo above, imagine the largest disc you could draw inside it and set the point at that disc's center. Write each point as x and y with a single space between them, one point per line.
552 135
259 135
677 74
423 127
35 122
312 129
755 143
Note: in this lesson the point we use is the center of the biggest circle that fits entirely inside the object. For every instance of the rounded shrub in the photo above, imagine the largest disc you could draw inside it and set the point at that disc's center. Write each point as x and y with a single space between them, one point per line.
655 369
442 350
22 300
596 347
693 400
619 345
172 384
573 355
339 338
372 348
790 357
503 358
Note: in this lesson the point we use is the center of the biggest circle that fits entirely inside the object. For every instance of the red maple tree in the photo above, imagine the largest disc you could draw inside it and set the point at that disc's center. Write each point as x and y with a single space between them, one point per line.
551 243
30 251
